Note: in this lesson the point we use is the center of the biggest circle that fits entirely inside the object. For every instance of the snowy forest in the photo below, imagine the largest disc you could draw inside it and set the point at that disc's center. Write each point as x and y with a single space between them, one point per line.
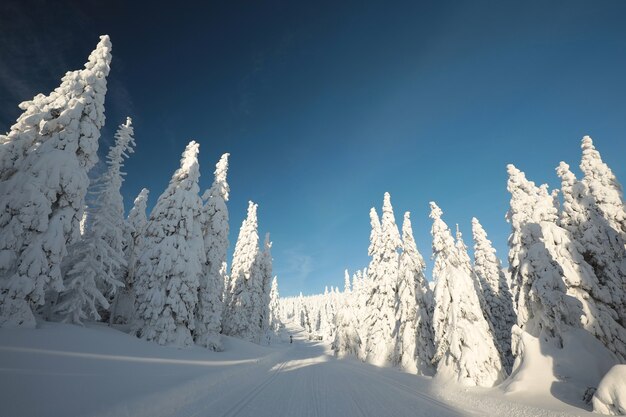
68 253
555 316
478 323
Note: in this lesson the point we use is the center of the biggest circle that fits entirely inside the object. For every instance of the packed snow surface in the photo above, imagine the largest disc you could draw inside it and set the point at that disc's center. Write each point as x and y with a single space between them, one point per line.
67 370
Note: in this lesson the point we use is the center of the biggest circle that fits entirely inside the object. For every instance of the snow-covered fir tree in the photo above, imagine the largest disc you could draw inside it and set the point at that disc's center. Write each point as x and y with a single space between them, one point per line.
266 275
557 288
539 290
123 307
465 350
137 222
603 249
242 314
171 262
44 161
495 290
603 246
95 265
603 187
346 282
211 291
383 271
347 341
275 313
414 351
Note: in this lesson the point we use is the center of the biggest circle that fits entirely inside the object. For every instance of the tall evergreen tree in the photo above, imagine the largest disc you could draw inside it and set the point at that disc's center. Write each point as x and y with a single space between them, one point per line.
123 307
346 282
414 351
94 266
211 291
170 265
495 289
464 345
383 271
44 161
274 307
241 317
347 341
266 275
603 249
539 290
137 222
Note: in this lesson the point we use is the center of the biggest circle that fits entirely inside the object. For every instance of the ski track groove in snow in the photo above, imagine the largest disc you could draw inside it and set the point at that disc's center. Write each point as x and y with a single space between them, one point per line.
239 407
399 386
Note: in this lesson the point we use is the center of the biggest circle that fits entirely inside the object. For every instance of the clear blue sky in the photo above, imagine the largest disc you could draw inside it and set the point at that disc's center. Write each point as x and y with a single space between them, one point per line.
324 106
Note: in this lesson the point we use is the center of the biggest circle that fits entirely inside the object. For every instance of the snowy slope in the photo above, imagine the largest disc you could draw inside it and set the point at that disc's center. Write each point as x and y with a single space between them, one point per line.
66 370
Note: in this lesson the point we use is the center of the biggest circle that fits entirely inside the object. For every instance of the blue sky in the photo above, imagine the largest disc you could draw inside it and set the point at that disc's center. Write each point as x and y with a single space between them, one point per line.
324 106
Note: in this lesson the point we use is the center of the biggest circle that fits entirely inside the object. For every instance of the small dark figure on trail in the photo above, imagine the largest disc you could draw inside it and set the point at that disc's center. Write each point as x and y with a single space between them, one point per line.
290 339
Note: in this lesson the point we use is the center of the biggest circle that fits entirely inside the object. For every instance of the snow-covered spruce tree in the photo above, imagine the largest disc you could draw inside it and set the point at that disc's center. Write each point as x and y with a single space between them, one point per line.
603 249
94 265
346 282
363 295
123 307
266 275
466 264
558 289
215 230
496 292
347 341
414 347
275 308
137 222
603 187
241 316
542 266
465 350
381 320
44 161
170 265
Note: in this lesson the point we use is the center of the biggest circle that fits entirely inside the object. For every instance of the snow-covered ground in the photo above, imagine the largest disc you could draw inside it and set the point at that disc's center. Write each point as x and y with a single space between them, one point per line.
66 370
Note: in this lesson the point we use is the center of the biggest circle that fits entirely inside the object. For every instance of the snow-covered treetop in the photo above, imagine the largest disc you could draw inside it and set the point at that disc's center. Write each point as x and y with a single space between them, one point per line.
480 237
486 264
529 203
137 215
100 58
593 167
443 243
220 186
124 143
408 242
252 216
375 234
390 235
189 167
574 194
567 177
142 199
461 249
603 186
247 246
346 281
75 109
